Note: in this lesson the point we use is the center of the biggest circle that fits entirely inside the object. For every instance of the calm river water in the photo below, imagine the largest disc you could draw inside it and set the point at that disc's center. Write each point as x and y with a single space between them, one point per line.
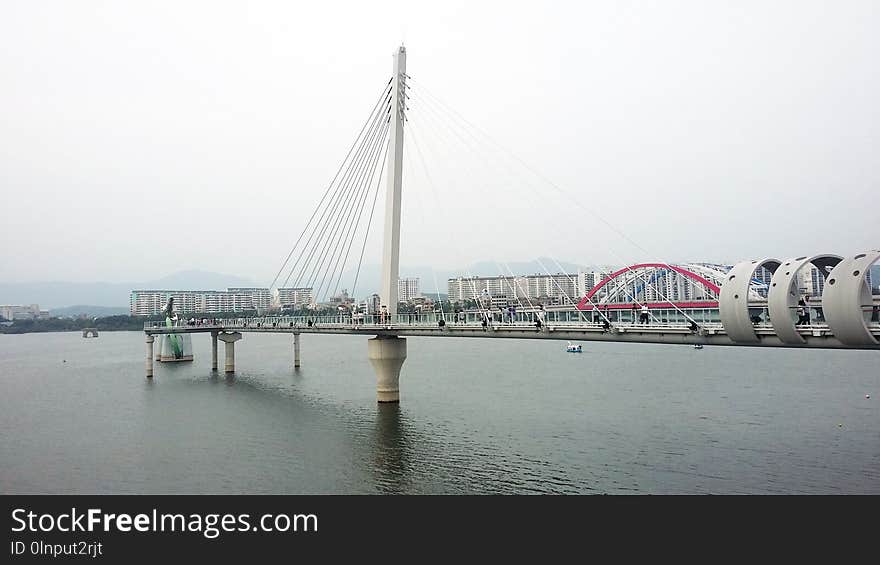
477 416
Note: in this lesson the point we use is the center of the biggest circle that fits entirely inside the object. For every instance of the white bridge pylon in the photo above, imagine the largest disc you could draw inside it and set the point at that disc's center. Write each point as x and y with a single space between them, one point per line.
394 186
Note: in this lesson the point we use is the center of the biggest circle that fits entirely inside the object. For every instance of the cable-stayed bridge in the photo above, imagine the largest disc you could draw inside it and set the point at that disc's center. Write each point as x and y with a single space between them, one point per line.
759 302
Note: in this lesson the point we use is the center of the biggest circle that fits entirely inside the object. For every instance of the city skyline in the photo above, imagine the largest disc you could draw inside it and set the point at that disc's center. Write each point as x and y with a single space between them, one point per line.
96 294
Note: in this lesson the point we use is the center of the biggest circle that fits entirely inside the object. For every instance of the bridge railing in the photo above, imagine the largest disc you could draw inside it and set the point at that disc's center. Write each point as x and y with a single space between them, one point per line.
464 319
377 321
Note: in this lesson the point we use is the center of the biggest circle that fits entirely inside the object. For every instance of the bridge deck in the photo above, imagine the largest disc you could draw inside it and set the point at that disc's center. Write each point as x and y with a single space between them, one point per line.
816 335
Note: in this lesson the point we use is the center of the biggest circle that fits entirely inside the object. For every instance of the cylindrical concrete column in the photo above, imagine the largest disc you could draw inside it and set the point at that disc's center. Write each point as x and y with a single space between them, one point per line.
149 360
296 351
230 357
387 355
213 351
229 338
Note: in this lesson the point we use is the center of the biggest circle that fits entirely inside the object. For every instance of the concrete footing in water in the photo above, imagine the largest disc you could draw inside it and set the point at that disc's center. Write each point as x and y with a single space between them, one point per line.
387 355
173 348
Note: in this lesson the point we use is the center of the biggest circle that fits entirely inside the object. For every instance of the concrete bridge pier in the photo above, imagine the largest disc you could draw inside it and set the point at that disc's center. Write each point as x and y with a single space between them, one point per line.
387 355
296 351
214 350
229 338
149 361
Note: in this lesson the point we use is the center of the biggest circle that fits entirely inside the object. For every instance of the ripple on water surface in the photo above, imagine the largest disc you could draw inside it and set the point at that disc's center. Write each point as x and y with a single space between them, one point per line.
477 416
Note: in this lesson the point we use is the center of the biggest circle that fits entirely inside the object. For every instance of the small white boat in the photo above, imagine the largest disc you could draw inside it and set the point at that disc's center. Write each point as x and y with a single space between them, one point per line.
574 348
698 346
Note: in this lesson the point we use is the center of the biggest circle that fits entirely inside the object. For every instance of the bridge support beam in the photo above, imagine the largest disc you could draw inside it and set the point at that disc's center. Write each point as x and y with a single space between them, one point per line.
387 355
229 338
214 350
296 351
149 361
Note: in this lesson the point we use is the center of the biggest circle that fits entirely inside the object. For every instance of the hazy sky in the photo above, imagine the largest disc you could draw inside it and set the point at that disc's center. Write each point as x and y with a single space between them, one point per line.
138 139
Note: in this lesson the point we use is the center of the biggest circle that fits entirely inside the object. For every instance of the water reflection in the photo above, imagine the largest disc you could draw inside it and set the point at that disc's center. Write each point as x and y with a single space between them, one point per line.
649 419
392 446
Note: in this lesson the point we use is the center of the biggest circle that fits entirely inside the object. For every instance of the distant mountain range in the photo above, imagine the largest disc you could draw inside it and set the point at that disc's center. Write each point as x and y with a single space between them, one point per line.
105 299
89 311
56 295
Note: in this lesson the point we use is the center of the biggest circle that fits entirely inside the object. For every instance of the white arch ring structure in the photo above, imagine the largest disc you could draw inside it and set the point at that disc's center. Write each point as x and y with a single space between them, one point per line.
847 298
784 294
733 300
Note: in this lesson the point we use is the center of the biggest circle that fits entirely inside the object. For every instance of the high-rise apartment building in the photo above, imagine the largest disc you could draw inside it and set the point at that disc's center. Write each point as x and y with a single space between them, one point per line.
560 288
22 312
152 302
300 297
407 289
